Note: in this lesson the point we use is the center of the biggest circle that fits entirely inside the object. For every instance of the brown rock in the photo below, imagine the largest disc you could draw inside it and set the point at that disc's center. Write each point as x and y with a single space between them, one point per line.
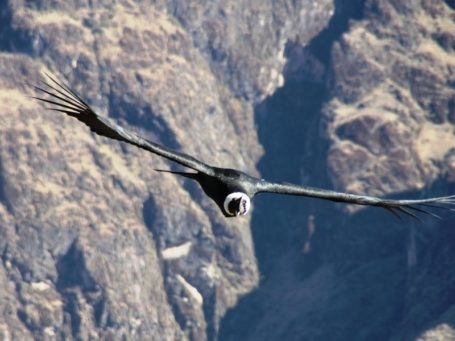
94 243
393 98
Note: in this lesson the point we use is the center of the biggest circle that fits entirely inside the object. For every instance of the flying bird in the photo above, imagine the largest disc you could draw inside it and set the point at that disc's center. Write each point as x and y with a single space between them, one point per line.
231 189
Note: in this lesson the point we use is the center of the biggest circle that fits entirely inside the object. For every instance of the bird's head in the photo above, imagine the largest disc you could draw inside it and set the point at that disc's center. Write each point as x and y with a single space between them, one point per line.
236 204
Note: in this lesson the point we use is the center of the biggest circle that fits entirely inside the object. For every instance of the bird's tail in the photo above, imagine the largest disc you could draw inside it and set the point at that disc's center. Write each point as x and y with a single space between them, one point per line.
185 174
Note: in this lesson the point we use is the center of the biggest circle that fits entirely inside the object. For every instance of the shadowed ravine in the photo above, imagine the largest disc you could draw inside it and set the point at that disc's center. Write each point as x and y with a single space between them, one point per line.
295 151
290 129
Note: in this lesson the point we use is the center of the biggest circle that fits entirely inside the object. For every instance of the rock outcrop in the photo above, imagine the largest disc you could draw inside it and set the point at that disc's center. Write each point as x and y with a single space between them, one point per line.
392 111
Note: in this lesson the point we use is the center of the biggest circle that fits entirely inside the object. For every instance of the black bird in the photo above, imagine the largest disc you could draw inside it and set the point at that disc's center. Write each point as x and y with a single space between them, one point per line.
230 189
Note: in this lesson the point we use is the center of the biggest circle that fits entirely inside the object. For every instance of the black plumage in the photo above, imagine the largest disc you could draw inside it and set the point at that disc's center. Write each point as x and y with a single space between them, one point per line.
230 189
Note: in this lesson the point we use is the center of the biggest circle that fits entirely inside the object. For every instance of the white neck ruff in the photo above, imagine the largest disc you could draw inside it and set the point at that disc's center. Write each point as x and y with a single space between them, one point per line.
236 196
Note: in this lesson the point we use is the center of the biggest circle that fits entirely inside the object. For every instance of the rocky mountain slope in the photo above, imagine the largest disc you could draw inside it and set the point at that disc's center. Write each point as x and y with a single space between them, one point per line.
95 244
370 99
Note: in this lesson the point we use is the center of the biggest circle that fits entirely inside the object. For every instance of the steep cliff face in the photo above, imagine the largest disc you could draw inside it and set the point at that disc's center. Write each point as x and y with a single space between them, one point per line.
392 117
94 243
370 99
392 111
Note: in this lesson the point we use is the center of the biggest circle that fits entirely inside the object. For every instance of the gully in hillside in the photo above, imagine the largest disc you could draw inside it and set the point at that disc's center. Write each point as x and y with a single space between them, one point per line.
230 189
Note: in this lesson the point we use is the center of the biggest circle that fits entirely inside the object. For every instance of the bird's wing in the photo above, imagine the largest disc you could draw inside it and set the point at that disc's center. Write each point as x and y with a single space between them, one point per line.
409 207
65 100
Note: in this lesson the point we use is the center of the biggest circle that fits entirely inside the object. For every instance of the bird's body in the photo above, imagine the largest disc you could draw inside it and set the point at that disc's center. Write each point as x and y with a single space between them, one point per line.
231 189
222 183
